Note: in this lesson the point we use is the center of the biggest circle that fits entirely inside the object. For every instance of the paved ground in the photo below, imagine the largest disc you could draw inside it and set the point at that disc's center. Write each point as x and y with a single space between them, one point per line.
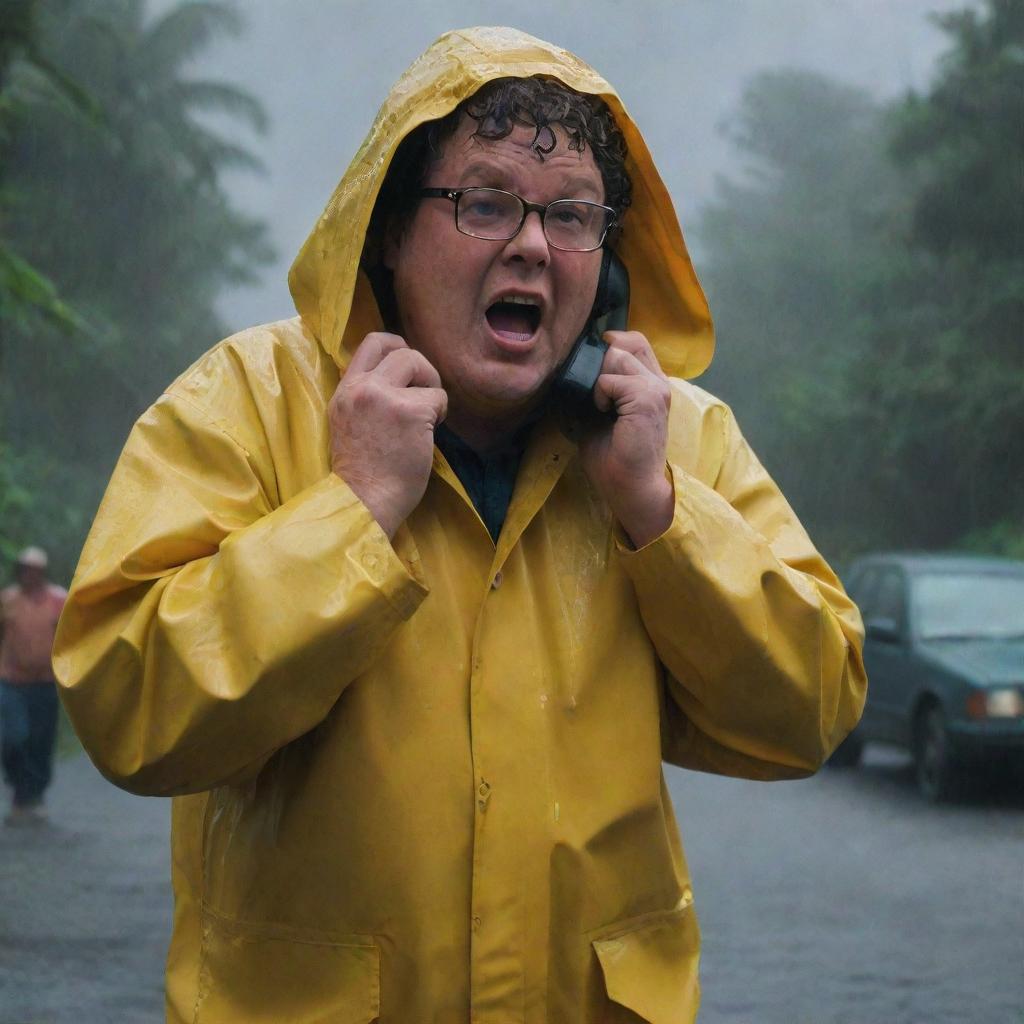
85 907
843 899
837 900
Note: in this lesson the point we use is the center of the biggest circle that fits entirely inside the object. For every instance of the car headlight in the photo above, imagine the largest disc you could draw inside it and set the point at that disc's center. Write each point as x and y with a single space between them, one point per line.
1003 702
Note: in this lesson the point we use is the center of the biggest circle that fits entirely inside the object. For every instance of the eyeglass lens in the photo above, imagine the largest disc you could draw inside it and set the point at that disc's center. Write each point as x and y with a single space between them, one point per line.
568 223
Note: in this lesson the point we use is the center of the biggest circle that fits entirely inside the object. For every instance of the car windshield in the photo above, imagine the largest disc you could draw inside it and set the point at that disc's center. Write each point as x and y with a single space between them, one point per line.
976 605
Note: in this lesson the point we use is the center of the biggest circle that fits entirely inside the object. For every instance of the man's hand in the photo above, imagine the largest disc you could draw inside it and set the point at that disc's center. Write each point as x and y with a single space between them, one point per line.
381 419
626 461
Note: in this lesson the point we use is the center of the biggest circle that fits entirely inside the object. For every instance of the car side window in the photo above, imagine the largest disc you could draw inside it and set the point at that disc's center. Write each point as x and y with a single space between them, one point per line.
863 590
889 601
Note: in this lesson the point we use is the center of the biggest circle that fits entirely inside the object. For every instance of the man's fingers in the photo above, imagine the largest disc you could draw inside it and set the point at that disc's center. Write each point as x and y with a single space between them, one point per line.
372 350
622 361
415 400
438 398
636 345
407 368
636 391
611 389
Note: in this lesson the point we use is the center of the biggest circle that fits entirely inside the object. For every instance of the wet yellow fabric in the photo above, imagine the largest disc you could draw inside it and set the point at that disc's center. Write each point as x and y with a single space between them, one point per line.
421 781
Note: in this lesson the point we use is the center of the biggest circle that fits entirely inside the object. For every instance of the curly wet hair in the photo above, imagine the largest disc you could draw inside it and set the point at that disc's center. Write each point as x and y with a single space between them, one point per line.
498 107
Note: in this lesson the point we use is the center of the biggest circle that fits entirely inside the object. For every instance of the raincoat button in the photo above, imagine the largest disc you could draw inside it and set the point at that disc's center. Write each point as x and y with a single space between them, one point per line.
496 582
484 789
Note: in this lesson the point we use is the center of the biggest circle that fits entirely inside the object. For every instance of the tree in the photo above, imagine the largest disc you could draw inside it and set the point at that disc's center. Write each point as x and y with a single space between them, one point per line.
792 239
947 349
121 207
27 297
867 268
24 291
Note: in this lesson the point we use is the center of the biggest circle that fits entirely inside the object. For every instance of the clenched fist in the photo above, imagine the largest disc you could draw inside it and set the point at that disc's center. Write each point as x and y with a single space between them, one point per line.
626 461
382 418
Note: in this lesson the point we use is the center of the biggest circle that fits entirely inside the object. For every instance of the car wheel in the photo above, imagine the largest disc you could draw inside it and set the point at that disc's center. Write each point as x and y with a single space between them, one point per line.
938 774
848 753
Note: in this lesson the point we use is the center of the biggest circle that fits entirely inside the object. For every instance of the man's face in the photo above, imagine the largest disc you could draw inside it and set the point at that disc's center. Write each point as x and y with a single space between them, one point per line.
494 363
29 577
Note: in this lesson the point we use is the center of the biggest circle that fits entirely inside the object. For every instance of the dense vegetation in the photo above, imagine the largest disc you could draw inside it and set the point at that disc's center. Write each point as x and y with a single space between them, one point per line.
865 266
115 239
867 271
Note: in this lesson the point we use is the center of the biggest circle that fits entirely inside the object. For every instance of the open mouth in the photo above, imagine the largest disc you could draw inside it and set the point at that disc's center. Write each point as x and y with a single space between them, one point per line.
514 319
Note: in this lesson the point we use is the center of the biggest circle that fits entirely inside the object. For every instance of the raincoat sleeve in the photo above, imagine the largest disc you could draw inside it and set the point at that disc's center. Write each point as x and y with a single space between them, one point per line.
206 627
761 646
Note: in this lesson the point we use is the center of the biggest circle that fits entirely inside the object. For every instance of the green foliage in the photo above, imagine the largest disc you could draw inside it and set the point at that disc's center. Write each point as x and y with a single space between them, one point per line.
141 193
45 499
964 137
792 243
15 504
1004 538
868 275
951 345
24 292
115 240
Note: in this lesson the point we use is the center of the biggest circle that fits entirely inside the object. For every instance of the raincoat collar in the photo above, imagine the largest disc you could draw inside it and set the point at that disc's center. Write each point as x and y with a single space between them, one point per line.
333 295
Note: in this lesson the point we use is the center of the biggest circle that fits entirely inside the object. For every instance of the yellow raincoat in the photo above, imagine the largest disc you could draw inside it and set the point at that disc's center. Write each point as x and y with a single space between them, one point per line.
421 781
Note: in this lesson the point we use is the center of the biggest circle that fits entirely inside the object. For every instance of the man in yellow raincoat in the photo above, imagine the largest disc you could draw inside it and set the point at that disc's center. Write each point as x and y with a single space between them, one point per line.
412 699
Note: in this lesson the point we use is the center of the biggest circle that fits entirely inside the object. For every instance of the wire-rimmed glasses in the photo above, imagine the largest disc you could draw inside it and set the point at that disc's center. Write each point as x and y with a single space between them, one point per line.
574 225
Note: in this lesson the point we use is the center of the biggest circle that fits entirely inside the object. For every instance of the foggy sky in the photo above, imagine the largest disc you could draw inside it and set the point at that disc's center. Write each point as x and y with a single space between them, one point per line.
323 68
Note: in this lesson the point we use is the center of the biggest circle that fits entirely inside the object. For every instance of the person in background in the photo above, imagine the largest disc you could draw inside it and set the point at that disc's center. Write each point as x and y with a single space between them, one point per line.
29 610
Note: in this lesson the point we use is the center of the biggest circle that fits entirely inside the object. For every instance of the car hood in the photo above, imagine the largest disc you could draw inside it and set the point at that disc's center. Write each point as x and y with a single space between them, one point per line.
983 661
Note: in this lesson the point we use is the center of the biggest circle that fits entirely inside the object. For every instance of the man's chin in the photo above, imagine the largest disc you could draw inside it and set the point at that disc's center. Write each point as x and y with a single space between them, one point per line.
528 396
510 401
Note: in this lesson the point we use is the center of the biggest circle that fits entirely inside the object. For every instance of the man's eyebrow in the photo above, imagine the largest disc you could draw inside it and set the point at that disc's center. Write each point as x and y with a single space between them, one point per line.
573 187
489 171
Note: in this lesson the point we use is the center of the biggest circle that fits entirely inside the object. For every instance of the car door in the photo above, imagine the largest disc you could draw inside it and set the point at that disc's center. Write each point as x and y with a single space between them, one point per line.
886 656
862 586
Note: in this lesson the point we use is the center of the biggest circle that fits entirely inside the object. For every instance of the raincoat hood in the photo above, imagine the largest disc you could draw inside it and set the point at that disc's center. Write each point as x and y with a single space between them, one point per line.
335 299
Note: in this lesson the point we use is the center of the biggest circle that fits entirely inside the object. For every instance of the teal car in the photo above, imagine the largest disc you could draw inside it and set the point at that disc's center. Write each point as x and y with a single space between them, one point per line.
944 653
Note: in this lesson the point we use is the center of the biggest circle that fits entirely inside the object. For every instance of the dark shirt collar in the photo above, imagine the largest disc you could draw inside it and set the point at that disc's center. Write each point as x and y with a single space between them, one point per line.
490 478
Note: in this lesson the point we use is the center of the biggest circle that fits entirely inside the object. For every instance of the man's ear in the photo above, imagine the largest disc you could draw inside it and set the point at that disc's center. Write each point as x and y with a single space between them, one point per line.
391 243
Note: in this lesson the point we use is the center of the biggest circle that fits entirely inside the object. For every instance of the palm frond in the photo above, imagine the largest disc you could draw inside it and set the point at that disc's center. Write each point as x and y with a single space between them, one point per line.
185 30
220 97
25 290
209 154
80 98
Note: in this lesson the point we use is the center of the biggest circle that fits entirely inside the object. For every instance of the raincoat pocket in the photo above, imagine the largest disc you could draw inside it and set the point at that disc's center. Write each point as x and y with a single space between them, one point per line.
265 974
650 964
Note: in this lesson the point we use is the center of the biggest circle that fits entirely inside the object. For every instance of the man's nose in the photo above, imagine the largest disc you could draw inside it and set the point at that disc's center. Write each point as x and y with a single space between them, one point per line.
530 244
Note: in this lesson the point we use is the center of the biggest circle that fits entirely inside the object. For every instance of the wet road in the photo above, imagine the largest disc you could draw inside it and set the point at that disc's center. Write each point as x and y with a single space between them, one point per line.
85 907
841 899
844 899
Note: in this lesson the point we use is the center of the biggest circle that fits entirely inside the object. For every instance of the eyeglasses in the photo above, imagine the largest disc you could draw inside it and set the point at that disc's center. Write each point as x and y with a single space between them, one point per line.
574 225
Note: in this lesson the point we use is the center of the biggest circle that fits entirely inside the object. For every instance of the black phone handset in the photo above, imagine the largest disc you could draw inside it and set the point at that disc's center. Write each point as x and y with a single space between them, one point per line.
572 390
